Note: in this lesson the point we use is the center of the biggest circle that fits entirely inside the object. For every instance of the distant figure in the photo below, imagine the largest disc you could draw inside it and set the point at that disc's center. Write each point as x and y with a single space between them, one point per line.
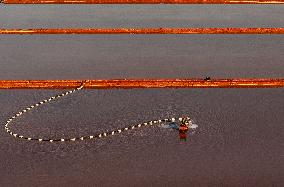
207 78
182 128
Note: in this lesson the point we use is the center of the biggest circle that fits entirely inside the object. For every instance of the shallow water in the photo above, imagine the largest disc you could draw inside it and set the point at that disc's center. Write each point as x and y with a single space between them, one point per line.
239 137
238 141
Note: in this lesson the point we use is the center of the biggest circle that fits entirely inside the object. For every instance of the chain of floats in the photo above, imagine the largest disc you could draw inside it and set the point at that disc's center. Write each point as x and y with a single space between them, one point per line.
101 135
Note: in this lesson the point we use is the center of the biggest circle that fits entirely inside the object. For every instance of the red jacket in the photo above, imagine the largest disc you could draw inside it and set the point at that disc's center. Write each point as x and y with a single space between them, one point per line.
183 128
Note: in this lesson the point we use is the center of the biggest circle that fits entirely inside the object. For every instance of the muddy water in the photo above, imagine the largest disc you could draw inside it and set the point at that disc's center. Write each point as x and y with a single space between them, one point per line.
237 143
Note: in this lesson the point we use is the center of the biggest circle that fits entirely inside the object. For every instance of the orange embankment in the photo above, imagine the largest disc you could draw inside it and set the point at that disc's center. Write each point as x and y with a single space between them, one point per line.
142 83
145 31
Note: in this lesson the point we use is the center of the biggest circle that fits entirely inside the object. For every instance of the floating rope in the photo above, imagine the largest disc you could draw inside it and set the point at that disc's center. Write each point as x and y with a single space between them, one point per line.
90 137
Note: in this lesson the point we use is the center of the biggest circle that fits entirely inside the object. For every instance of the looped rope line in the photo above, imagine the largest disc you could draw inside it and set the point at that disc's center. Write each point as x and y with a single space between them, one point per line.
97 136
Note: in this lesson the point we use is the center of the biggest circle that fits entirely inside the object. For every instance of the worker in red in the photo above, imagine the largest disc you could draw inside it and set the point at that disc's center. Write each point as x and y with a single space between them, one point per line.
183 128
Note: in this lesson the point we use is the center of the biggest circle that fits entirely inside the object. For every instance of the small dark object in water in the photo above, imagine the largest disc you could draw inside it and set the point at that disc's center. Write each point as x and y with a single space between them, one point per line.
207 78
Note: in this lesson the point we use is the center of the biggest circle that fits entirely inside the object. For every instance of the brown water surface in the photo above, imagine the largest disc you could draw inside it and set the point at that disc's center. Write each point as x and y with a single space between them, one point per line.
239 141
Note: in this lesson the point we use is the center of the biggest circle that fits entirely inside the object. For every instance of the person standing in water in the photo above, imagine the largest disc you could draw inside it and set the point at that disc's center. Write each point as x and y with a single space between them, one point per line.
182 128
